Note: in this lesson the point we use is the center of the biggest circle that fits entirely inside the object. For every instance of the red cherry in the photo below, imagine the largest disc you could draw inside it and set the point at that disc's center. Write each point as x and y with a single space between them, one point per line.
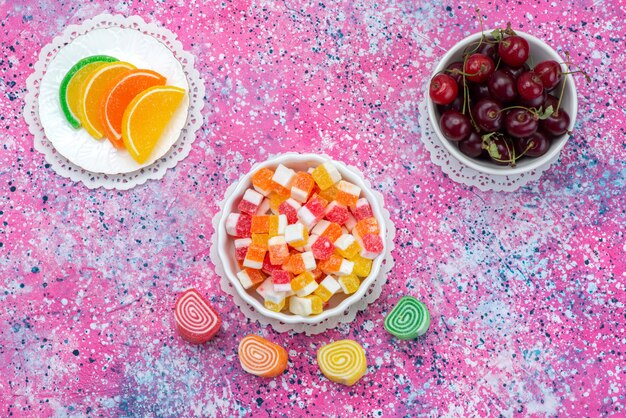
514 51
443 89
478 68
550 73
529 86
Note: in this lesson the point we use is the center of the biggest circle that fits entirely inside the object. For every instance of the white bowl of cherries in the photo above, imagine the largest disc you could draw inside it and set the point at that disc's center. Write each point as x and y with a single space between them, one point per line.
502 102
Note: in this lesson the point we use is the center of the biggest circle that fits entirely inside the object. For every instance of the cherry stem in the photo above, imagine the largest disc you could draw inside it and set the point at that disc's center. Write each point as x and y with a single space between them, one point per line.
567 64
526 150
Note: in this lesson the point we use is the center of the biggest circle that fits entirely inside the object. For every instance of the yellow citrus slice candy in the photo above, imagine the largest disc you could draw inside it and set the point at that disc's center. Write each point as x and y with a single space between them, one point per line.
91 92
72 91
146 117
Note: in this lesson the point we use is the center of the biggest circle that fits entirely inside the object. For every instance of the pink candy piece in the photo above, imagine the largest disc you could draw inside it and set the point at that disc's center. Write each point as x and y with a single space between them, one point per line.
372 246
362 209
337 213
290 208
268 267
238 225
250 202
312 212
322 248
282 280
241 248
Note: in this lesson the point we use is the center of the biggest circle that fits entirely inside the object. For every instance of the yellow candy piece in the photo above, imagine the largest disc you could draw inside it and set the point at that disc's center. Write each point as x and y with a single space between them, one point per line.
276 307
329 194
342 362
275 201
349 283
327 288
362 266
326 175
301 281
347 246
260 239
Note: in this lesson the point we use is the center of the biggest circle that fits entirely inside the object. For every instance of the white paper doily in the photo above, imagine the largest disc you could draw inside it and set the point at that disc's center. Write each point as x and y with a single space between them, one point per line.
461 173
309 329
124 181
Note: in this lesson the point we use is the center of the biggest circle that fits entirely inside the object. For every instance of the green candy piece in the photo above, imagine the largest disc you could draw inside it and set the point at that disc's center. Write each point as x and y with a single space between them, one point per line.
71 118
408 319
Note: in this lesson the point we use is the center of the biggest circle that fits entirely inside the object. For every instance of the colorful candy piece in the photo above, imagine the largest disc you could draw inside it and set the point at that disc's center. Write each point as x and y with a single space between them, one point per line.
241 248
272 298
322 248
366 226
196 320
290 209
238 225
260 224
250 202
347 193
268 267
372 246
277 225
362 209
350 223
317 274
304 284
276 200
69 90
328 229
261 357
262 181
282 280
260 239
300 262
283 177
349 283
336 213
250 277
255 256
326 175
327 288
301 186
347 246
264 207
279 252
408 319
362 266
118 96
329 194
296 234
342 362
312 211
306 306
336 265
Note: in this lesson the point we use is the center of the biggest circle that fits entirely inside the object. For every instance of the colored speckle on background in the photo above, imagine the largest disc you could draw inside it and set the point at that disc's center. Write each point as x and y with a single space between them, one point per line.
526 289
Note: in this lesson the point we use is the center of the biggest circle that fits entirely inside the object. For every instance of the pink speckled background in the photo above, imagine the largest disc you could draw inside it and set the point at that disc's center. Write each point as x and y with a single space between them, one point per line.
526 289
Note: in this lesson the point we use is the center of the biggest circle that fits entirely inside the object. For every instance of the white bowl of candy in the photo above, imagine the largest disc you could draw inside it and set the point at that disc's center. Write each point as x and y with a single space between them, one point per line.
301 238
518 109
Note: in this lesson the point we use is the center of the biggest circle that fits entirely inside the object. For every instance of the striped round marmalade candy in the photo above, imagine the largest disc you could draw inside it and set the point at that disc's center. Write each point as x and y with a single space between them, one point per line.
196 321
408 319
342 361
261 357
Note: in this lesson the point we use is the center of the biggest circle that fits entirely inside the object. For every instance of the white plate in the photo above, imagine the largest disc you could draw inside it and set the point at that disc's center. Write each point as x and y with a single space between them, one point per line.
141 50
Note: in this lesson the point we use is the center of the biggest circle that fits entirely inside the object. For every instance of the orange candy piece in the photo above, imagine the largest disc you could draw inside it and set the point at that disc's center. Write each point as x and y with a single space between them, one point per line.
261 357
260 224
262 181
118 95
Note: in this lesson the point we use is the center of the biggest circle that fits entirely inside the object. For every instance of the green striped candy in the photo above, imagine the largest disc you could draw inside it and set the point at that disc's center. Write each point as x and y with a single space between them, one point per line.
408 320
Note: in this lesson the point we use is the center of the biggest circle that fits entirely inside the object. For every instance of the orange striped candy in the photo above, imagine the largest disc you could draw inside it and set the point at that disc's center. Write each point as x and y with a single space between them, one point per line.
196 321
261 357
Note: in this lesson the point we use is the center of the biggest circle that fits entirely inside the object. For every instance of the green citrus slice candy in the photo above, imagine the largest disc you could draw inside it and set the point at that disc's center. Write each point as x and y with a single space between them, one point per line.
69 85
93 89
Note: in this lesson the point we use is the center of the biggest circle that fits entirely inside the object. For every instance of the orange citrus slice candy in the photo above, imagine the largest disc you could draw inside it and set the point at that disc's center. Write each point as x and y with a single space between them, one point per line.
72 91
91 95
119 94
146 117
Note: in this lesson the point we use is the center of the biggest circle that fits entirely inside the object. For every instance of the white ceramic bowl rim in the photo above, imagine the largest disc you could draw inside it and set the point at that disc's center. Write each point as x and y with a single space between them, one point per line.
226 252
570 103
